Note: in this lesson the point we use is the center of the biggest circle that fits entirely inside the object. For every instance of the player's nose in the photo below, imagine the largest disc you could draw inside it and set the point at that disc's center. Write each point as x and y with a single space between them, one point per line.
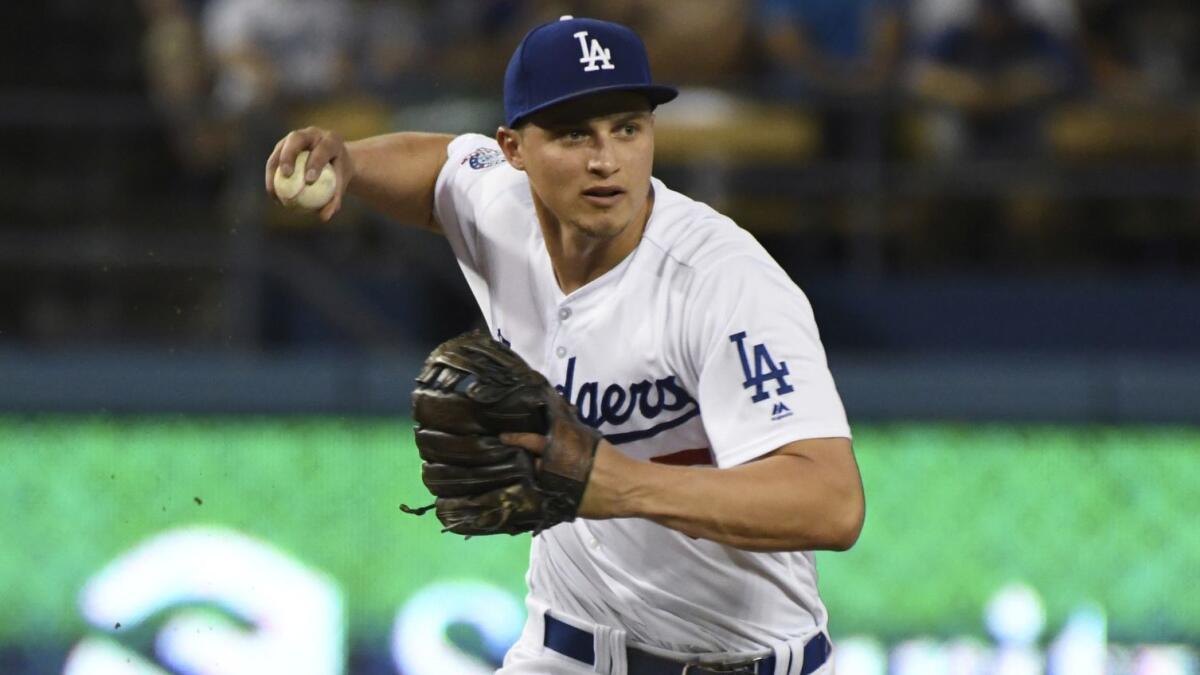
602 161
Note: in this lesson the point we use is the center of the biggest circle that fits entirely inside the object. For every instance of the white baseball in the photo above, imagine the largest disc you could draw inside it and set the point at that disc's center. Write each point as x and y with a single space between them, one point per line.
293 191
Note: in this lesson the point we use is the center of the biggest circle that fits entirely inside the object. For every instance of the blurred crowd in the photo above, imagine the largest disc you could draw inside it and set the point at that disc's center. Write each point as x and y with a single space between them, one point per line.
985 68
967 88
879 80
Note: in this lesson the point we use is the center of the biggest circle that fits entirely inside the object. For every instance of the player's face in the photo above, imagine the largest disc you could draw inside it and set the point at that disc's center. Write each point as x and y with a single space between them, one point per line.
589 161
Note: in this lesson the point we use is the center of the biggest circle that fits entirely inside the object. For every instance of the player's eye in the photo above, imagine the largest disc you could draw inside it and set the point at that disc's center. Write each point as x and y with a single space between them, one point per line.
628 129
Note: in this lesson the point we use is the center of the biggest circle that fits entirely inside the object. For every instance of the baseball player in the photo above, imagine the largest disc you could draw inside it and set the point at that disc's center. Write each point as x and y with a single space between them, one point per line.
722 453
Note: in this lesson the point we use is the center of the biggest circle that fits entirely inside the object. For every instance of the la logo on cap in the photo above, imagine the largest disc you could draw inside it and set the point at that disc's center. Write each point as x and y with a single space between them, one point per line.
542 70
594 54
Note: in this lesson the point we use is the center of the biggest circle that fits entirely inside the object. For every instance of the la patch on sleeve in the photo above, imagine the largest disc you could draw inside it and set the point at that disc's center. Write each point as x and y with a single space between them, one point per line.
761 373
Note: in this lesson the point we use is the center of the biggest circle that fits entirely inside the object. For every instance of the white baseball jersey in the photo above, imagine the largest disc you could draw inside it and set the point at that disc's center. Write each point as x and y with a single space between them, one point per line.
695 349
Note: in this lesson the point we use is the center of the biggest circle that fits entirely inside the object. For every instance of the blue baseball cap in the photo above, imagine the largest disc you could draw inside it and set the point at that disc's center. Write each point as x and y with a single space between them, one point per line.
569 58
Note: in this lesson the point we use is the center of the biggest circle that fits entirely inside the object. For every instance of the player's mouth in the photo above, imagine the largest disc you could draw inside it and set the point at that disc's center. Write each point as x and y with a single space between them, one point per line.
603 195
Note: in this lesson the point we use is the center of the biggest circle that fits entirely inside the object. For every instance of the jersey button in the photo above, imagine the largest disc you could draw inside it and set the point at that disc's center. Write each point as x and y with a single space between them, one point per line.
560 352
564 313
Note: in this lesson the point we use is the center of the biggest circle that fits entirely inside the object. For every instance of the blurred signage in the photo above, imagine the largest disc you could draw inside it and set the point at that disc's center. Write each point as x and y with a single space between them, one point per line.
207 546
235 605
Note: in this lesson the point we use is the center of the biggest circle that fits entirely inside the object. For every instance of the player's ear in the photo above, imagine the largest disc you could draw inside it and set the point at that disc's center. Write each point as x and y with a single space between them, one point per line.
509 141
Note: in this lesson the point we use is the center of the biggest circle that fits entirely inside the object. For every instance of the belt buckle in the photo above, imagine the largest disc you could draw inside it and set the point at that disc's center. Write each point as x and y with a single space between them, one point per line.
750 667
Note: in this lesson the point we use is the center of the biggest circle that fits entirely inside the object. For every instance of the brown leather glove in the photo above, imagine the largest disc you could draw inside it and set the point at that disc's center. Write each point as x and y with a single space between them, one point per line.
471 389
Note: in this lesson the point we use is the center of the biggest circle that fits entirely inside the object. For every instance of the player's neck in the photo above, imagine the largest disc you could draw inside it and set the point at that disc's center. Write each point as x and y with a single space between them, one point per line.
578 258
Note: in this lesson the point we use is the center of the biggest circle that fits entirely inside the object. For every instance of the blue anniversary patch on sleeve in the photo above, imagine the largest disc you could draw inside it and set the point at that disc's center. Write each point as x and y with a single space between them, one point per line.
484 158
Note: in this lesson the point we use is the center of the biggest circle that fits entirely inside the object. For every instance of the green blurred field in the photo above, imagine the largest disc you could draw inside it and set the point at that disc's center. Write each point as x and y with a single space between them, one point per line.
954 512
1098 514
325 490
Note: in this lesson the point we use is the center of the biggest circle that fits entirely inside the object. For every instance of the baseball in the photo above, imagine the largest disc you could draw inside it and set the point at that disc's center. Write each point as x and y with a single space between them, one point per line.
294 192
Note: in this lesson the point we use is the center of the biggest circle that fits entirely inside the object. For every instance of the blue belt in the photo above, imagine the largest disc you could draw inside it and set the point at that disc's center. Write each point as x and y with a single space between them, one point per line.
580 645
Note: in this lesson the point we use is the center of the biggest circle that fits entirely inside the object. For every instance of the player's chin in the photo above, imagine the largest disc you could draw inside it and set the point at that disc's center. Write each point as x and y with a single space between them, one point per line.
603 227
602 221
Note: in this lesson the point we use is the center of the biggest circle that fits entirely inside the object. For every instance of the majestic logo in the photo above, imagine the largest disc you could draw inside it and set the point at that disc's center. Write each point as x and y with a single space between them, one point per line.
780 411
616 404
594 54
763 372
484 158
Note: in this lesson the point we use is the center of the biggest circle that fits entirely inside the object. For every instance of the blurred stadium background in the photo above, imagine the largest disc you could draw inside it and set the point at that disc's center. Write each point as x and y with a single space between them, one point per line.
994 206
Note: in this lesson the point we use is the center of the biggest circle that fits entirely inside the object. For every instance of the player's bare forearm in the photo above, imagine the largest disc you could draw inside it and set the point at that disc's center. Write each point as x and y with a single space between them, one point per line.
395 174
806 496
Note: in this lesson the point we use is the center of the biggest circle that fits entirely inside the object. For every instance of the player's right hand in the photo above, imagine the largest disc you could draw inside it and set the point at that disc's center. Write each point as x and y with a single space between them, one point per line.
325 147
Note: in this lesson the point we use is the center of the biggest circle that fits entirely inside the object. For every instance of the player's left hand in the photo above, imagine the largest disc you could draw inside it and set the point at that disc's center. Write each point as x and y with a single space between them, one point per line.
471 390
604 496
